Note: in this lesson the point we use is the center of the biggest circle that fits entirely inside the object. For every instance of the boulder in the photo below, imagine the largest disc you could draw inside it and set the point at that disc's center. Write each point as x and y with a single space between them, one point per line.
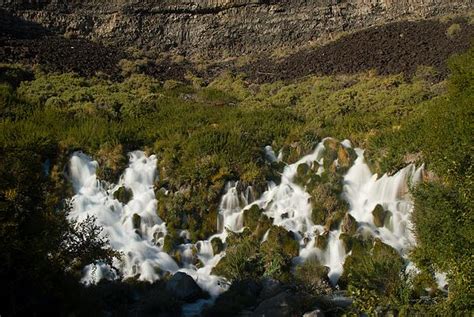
281 305
379 215
322 240
270 288
349 224
136 221
184 288
123 195
217 245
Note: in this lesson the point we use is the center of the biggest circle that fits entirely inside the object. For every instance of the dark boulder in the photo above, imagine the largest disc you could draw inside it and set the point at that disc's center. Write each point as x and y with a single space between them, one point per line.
270 288
183 287
281 305
379 215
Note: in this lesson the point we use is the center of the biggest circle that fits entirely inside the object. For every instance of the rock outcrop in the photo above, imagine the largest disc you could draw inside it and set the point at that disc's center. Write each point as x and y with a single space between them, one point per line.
183 287
220 27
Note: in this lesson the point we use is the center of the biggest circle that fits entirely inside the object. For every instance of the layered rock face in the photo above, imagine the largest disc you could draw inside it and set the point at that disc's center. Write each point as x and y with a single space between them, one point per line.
220 27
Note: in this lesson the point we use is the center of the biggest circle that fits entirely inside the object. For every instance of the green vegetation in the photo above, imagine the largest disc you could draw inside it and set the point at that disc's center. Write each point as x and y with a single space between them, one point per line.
312 276
205 135
372 273
249 258
453 30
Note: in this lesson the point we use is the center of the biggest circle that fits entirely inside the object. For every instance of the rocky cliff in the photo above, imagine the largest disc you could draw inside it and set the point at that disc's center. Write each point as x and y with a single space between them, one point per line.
220 27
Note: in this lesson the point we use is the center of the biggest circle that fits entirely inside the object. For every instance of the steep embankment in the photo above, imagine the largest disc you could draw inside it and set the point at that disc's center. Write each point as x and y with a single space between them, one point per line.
221 27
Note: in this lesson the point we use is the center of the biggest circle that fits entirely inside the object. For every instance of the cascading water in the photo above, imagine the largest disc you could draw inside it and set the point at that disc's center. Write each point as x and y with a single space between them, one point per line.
141 254
287 204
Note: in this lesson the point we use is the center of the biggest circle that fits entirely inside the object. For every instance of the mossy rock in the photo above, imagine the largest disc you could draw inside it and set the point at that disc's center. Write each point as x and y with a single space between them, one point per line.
302 174
331 144
264 224
274 171
345 159
171 241
322 240
333 181
330 153
347 241
313 277
136 221
313 181
234 238
256 221
379 215
284 239
277 252
318 214
112 162
326 202
252 216
217 245
123 195
349 224
334 220
422 282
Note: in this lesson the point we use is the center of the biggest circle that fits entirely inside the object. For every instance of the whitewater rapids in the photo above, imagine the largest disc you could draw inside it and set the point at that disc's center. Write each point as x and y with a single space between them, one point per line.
288 204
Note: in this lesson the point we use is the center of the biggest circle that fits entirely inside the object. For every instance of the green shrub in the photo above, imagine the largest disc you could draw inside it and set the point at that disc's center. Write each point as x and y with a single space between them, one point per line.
373 275
241 260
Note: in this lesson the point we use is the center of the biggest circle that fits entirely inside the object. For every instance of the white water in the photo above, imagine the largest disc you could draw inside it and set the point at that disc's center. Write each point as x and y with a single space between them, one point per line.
288 204
142 249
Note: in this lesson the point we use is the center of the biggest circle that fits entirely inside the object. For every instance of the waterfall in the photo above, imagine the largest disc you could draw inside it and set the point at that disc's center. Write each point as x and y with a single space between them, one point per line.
288 204
141 255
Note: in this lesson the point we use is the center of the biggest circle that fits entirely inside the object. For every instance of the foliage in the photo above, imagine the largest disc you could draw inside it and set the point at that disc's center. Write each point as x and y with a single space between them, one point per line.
311 275
241 260
373 275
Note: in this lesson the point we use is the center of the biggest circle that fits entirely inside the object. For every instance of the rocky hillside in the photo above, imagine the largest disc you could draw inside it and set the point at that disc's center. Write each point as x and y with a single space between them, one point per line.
221 27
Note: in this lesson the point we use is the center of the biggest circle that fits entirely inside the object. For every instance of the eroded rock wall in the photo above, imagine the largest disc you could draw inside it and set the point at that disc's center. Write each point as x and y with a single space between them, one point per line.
221 27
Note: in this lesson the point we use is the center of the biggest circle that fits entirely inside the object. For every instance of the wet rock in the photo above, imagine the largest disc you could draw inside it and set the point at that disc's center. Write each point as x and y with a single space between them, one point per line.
252 216
347 241
183 287
322 240
302 174
333 221
136 221
123 194
349 224
379 215
217 245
